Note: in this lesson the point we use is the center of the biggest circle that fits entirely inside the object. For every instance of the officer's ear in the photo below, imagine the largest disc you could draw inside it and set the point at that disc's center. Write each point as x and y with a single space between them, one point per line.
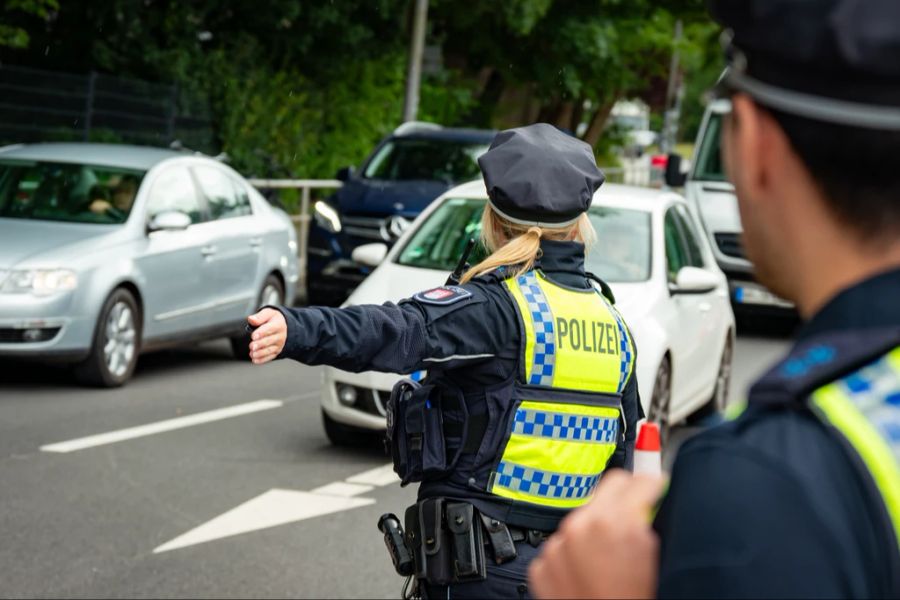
742 146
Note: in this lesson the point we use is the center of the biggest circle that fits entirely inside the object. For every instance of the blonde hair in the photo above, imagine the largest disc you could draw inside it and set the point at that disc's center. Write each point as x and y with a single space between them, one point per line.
519 246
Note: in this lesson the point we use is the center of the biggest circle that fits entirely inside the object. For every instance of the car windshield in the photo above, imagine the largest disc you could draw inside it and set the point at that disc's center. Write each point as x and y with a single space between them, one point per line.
406 159
709 157
48 191
621 255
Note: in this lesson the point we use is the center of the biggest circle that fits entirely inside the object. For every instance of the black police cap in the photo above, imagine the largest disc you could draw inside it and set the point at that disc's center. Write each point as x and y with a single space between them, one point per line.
831 60
538 175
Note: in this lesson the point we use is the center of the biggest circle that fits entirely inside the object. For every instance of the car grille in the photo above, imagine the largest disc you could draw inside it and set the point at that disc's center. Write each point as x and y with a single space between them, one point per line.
367 229
31 335
730 244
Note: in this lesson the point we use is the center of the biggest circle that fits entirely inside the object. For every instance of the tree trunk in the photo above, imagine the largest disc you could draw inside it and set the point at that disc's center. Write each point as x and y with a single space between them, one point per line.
577 115
564 114
598 122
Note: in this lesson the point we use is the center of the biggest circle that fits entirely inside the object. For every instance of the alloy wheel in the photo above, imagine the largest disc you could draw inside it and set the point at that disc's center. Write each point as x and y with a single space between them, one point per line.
121 337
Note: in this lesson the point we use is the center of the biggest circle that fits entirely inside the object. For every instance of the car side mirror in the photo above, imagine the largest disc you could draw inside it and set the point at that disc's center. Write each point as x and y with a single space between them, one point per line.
345 174
370 255
674 177
170 220
693 280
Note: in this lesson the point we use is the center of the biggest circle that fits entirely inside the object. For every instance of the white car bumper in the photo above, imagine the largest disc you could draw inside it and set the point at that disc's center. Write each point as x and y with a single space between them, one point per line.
372 393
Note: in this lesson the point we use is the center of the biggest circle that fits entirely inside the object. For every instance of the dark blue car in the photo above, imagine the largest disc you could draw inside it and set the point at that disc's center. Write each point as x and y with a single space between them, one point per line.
405 173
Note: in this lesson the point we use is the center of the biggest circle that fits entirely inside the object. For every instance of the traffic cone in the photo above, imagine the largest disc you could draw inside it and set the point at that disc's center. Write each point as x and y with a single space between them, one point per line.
647 451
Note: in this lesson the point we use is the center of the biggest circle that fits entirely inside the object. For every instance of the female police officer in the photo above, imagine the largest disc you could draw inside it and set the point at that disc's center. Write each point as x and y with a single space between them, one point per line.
530 393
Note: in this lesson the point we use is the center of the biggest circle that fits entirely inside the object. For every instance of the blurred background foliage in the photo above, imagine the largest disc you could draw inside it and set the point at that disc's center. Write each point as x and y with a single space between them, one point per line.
300 88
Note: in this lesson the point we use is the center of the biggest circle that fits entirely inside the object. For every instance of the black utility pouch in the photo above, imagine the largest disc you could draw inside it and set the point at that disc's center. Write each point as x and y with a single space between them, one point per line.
436 546
415 432
467 542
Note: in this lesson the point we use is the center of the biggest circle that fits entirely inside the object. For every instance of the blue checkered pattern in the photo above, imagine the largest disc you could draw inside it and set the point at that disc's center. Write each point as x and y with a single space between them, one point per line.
565 426
545 338
624 350
542 483
875 390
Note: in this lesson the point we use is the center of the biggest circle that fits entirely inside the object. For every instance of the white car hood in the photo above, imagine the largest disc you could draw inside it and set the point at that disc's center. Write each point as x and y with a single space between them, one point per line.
392 282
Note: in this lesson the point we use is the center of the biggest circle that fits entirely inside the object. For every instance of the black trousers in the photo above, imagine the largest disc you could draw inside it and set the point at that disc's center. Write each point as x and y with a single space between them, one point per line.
508 580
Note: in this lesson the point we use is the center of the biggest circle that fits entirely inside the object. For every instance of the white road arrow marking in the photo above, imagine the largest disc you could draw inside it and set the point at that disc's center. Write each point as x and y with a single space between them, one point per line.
280 507
275 507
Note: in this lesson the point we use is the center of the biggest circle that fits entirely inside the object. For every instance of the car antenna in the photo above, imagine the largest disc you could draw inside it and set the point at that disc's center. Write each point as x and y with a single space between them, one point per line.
462 266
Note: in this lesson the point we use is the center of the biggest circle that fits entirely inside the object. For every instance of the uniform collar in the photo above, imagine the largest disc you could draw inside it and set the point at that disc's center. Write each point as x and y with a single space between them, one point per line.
561 256
875 302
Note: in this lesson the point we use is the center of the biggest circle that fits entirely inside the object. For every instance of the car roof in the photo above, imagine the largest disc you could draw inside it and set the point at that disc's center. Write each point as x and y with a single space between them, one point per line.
110 155
610 194
485 136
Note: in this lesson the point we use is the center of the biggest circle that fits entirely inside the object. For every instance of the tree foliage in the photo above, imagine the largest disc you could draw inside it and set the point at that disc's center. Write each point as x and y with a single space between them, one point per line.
299 87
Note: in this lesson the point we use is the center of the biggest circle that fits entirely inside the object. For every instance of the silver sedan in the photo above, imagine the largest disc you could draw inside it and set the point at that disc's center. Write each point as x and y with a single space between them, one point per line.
110 250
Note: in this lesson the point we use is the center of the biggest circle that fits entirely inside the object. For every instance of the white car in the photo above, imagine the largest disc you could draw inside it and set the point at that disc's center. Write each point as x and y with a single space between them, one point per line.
649 249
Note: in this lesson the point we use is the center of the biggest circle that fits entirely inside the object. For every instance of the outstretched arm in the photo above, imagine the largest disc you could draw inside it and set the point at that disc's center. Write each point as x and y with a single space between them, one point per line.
416 334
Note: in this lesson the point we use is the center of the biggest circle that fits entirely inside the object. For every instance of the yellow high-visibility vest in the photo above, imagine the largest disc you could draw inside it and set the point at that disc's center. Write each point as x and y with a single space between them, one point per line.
864 409
577 357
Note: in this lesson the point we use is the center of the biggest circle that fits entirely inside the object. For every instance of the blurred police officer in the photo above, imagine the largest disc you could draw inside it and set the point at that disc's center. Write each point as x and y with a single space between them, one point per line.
531 391
800 495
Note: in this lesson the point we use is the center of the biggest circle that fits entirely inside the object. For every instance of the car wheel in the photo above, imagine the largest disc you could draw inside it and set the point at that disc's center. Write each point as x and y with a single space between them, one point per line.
661 399
344 435
116 344
272 293
718 402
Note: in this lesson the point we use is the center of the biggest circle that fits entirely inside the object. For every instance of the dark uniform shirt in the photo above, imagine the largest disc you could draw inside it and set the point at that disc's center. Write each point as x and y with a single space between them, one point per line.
772 505
475 342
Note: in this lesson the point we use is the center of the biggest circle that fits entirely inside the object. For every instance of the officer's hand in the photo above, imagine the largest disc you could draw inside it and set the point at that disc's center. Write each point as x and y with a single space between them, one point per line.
607 549
268 340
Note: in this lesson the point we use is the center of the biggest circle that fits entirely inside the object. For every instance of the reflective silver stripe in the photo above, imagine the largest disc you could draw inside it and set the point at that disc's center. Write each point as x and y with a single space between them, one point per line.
831 110
534 223
181 312
458 357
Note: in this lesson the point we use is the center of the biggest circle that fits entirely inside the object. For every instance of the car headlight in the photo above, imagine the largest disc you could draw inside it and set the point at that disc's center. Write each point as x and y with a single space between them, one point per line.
327 217
41 282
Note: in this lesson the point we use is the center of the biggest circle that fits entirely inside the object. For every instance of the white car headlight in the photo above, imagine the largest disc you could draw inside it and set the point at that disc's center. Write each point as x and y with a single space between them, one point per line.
41 282
327 217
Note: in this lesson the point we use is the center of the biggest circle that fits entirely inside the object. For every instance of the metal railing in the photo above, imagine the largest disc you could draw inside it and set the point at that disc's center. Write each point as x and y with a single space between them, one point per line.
301 220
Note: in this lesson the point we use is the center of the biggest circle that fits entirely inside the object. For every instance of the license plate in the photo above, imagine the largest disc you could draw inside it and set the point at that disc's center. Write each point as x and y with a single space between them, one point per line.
758 295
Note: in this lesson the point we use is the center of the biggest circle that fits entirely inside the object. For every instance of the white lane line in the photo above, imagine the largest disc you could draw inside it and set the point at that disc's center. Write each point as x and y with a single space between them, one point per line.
378 477
111 437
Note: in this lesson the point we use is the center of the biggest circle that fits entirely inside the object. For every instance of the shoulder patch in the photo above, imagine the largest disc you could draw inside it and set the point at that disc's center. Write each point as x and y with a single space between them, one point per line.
442 296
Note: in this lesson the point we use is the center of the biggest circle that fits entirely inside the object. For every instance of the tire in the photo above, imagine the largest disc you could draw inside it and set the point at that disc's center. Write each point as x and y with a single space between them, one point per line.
116 343
718 402
272 292
661 399
345 435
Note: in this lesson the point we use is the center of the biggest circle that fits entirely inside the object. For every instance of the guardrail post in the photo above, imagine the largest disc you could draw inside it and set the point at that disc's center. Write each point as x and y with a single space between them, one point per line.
303 238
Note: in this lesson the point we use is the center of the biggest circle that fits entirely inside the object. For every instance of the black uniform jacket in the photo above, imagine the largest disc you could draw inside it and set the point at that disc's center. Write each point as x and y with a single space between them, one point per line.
772 505
475 341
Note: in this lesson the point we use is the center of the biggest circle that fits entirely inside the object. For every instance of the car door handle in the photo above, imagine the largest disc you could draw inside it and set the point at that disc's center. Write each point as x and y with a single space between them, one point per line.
208 250
255 242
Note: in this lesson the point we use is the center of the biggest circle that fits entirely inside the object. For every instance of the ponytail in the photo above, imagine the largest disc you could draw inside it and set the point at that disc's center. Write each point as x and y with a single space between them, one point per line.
523 247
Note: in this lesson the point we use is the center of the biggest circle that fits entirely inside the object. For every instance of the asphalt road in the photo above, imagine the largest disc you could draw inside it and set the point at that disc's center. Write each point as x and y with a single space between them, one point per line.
105 518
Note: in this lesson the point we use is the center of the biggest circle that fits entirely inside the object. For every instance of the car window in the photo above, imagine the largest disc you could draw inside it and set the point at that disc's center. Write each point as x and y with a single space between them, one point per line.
174 189
73 192
405 159
709 157
442 238
221 194
676 250
622 253
695 254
